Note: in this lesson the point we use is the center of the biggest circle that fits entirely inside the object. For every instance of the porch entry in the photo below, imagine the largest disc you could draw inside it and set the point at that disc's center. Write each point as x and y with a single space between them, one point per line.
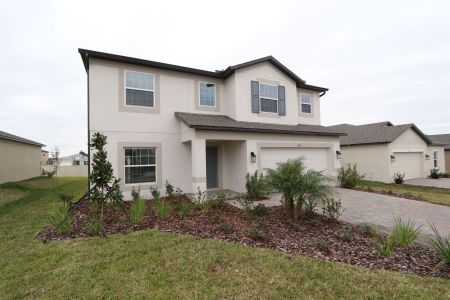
212 168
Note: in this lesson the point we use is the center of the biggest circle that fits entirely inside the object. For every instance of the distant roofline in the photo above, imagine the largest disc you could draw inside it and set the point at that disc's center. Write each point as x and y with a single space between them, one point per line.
11 137
86 54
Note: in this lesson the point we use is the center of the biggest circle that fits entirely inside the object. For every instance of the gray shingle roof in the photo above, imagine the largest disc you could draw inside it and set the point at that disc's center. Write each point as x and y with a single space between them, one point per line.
375 133
12 137
443 139
224 123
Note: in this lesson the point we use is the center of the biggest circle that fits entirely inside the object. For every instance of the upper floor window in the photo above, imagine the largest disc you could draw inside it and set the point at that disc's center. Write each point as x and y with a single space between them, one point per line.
268 96
207 94
435 159
139 89
306 103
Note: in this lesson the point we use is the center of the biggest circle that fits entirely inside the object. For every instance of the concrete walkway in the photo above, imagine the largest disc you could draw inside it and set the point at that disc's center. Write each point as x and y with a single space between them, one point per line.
380 210
443 183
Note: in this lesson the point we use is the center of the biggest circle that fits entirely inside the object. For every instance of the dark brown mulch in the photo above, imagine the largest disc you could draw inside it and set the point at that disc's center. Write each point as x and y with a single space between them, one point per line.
280 235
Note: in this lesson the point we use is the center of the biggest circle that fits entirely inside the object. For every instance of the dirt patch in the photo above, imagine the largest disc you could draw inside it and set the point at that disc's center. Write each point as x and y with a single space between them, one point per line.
314 236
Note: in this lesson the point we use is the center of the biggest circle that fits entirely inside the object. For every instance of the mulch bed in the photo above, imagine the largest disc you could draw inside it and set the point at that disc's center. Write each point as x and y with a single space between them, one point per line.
315 234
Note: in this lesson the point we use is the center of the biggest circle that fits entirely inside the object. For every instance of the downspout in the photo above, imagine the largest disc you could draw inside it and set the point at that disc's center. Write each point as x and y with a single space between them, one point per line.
88 123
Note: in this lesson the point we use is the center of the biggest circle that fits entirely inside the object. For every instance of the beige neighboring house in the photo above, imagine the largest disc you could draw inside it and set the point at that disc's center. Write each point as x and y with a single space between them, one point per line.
44 158
382 149
203 130
19 158
445 140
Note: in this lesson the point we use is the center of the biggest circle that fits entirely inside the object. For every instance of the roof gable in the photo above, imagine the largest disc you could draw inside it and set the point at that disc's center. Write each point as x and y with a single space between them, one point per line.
86 54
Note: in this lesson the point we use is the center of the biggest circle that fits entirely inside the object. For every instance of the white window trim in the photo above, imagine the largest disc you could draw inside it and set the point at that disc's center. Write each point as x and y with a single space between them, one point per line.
310 104
435 159
277 99
125 166
200 97
137 89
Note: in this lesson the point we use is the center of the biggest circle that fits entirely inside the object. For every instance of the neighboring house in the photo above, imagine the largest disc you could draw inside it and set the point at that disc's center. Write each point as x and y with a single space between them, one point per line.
19 158
445 140
382 149
203 130
44 158
74 160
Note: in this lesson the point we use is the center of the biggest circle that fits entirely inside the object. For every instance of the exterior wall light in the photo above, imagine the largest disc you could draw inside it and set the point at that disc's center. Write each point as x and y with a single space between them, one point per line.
338 154
392 158
252 157
427 157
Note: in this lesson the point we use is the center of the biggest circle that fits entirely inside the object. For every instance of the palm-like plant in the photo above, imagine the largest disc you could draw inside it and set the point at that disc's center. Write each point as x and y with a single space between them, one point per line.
297 184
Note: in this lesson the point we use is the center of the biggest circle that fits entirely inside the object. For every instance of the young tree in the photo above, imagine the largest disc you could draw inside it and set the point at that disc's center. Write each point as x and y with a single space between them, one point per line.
55 159
297 184
107 186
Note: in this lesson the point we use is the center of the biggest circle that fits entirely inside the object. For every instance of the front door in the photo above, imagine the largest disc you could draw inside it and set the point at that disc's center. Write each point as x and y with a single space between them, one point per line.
212 168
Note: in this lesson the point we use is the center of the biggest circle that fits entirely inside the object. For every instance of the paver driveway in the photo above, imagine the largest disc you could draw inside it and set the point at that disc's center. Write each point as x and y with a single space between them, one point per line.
363 207
443 183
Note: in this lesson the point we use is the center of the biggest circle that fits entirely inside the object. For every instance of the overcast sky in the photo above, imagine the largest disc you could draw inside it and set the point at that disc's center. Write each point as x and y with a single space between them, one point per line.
381 60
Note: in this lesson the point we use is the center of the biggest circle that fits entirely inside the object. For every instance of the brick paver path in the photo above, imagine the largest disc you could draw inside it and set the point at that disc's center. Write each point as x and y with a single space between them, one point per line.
363 207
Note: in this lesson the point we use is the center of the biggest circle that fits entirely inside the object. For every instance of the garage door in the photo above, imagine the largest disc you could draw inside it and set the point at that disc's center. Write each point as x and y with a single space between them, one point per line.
314 158
408 163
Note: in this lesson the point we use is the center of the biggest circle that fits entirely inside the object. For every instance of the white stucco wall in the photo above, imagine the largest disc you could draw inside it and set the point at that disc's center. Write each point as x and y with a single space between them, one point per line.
177 92
372 161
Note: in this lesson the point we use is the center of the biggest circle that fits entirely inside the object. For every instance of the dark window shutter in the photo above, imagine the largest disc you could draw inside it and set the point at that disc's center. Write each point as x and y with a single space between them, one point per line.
255 96
281 101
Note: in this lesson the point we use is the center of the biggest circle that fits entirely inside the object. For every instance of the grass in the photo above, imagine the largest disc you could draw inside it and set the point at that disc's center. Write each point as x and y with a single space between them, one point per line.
431 195
153 264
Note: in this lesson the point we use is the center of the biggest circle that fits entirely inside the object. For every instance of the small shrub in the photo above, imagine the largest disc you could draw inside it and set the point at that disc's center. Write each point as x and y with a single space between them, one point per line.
184 209
263 224
169 189
61 218
225 227
260 210
257 187
216 219
387 247
323 246
219 201
48 173
310 206
441 245
445 175
332 208
94 227
135 193
405 232
434 173
370 230
200 196
66 198
257 234
155 193
295 226
345 234
138 207
399 178
316 222
349 177
245 204
162 208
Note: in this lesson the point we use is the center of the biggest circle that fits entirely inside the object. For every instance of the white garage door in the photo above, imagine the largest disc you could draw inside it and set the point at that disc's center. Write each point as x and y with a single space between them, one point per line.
408 163
314 158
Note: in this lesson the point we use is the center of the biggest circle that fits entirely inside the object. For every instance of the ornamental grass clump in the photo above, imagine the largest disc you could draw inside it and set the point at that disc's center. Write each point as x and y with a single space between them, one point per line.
441 245
405 233
138 207
257 187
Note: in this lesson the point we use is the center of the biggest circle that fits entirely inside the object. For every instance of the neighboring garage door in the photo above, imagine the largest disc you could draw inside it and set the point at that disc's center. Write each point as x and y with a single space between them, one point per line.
314 158
409 163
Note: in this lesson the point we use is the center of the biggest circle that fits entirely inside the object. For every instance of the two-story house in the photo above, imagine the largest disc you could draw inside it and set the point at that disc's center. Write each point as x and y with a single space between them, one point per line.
203 129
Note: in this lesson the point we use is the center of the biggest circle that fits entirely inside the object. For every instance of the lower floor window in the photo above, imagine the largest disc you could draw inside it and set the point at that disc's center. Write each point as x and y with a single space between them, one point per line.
140 165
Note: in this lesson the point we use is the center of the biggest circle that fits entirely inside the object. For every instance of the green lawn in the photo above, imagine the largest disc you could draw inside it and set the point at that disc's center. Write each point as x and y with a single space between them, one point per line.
154 264
431 195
